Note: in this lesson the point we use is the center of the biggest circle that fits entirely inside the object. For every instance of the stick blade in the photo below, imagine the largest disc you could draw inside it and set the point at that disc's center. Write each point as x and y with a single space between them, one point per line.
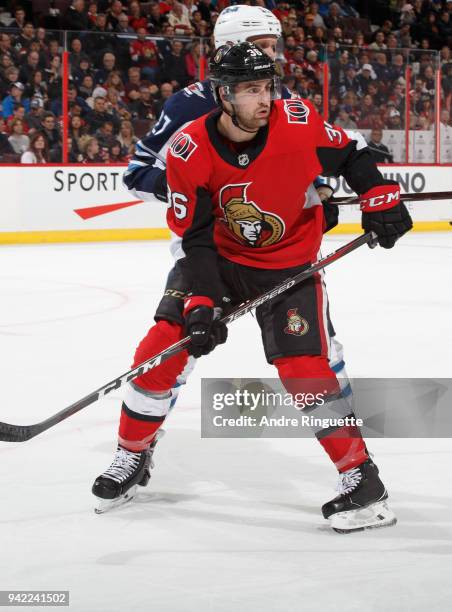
16 433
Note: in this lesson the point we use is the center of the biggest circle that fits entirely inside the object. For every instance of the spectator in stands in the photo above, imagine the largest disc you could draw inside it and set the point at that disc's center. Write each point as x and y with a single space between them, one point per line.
9 77
178 18
18 113
317 101
77 129
312 66
54 80
394 120
91 151
192 61
295 58
75 98
115 155
105 134
349 81
30 66
365 76
15 97
50 129
123 26
378 150
205 8
19 18
92 13
136 18
134 79
175 69
397 67
18 140
84 69
143 106
76 19
53 50
156 19
403 35
344 119
382 70
37 87
108 66
86 87
7 50
144 54
25 38
333 111
99 115
5 147
334 18
127 138
37 152
34 117
165 92
102 39
379 42
115 80
76 53
115 11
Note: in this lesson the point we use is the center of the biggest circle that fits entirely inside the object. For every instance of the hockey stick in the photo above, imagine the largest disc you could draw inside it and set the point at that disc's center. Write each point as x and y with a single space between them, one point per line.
404 197
21 433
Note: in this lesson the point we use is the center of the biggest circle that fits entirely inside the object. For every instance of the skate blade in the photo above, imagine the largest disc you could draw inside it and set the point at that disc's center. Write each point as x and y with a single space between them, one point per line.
374 516
106 505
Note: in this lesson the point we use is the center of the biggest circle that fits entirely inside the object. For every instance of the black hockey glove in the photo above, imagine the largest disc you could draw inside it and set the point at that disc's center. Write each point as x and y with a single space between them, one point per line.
161 187
384 214
203 326
330 210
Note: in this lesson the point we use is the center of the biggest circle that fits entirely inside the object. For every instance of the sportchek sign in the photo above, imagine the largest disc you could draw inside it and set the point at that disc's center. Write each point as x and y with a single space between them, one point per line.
89 203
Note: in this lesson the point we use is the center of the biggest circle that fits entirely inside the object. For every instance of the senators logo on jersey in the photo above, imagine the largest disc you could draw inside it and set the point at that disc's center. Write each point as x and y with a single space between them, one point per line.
296 111
249 224
183 146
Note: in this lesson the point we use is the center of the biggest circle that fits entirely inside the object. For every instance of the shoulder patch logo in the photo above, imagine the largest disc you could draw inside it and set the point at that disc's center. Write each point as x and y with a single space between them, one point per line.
248 223
183 146
195 89
296 111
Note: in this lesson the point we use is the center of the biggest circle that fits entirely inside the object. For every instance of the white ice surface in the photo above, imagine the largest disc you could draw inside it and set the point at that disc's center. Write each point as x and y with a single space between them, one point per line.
224 524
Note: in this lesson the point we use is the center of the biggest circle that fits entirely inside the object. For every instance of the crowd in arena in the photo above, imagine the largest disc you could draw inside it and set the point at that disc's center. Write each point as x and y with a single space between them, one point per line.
127 58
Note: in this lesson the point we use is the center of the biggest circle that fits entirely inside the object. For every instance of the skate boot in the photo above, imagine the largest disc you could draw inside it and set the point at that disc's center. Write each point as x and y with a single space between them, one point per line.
361 503
119 483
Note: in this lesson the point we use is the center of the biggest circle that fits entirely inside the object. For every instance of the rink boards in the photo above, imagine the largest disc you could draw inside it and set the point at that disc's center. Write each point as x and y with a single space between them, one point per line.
88 203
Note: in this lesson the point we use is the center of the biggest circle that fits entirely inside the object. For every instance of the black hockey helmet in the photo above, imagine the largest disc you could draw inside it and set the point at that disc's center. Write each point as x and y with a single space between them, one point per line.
232 64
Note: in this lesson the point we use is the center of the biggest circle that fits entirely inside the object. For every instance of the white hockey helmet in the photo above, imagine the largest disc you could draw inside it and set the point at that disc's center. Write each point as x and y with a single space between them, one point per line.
238 23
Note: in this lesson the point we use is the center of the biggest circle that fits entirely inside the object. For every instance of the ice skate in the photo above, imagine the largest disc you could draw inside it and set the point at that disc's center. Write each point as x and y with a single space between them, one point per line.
361 503
119 483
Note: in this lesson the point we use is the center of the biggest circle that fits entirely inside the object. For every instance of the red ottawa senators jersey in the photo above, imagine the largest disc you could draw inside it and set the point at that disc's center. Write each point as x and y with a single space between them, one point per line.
263 210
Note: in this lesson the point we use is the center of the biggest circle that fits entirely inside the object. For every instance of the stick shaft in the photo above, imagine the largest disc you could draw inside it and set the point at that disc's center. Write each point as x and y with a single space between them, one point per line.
21 433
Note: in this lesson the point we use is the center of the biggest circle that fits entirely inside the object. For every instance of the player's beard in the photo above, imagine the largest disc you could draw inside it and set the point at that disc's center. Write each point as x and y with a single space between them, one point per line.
254 120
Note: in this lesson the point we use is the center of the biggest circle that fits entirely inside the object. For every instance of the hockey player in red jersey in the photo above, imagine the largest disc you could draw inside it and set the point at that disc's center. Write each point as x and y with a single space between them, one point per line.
242 205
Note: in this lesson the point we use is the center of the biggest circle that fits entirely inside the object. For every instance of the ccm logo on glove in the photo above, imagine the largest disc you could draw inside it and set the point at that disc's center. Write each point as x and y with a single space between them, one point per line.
382 197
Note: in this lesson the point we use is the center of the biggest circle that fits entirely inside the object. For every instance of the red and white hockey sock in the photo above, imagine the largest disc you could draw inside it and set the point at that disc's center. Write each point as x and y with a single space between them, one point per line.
344 445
